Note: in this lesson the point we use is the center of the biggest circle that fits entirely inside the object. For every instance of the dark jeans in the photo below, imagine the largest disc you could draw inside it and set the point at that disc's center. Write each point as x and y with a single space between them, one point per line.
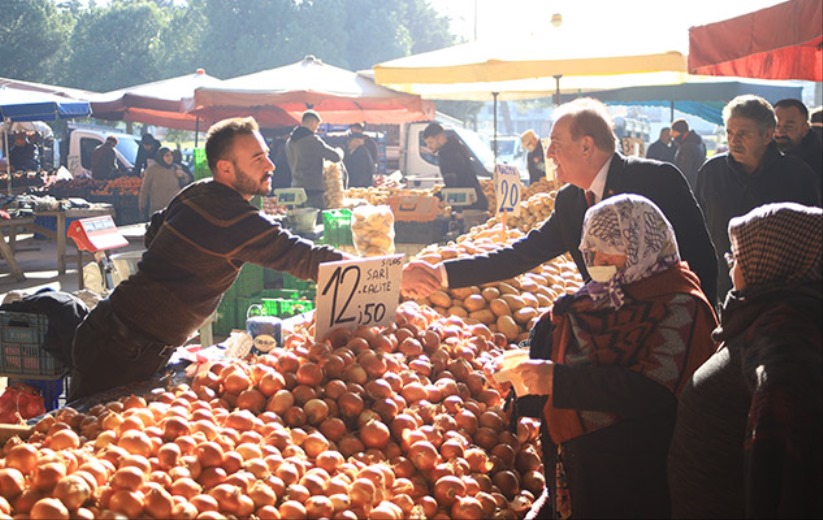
108 353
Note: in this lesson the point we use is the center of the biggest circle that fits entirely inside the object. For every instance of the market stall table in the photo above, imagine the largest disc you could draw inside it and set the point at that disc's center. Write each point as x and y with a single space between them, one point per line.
7 250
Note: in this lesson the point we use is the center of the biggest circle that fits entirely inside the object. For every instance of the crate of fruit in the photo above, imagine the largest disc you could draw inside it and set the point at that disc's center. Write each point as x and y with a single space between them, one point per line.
21 347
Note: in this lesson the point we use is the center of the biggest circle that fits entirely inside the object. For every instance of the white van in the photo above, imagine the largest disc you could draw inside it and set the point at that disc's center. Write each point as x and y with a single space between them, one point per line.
75 150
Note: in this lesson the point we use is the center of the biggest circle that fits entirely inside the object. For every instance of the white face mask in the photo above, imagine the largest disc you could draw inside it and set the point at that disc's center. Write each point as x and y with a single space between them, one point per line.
602 273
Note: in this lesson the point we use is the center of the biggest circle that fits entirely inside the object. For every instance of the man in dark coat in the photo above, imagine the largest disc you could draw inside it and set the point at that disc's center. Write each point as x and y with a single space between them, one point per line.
752 173
23 154
662 149
455 163
583 146
305 151
371 146
691 151
104 160
793 134
359 163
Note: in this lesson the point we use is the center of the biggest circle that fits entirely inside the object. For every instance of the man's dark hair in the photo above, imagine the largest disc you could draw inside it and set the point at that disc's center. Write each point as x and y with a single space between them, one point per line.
817 115
220 137
310 115
796 103
681 126
357 126
112 139
432 129
665 130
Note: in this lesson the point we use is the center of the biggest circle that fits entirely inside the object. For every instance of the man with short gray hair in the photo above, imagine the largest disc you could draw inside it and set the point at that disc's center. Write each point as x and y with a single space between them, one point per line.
752 173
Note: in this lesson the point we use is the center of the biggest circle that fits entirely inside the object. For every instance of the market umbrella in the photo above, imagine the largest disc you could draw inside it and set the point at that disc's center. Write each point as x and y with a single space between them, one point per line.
157 103
784 41
57 90
559 59
340 96
703 96
27 105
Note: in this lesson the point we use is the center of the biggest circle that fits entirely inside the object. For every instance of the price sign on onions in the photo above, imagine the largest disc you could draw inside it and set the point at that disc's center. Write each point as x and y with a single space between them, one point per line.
507 189
364 291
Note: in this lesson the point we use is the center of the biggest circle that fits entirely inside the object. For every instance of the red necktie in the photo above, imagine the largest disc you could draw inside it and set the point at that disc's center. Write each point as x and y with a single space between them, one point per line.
590 198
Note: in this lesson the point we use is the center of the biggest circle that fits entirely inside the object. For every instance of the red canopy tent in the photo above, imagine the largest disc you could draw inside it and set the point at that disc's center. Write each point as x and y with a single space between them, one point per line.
784 41
338 95
161 103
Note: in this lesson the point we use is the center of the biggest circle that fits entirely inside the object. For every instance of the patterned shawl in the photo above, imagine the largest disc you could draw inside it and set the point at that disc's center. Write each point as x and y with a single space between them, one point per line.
652 318
633 226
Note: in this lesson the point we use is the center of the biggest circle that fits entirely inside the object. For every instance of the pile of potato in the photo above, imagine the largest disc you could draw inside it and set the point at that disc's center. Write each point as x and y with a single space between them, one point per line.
510 306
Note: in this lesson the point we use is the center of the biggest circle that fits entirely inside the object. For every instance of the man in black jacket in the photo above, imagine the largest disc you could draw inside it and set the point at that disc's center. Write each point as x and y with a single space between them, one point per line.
751 174
583 147
793 135
455 163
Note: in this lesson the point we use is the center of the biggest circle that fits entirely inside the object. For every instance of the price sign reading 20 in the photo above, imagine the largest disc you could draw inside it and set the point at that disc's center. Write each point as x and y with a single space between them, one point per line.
364 291
507 189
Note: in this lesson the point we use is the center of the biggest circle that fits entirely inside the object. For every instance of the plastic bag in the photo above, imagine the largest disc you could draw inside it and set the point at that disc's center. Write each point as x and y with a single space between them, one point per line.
20 402
372 230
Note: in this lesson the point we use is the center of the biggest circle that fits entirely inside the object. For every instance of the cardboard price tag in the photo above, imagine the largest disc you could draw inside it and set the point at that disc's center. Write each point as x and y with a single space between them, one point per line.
507 188
364 291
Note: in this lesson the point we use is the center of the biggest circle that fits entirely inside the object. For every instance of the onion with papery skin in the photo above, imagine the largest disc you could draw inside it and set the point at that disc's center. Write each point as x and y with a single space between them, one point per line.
49 509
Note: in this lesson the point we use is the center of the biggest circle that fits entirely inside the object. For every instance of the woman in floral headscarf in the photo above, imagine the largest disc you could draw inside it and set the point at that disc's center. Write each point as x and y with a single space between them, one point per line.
621 349
747 440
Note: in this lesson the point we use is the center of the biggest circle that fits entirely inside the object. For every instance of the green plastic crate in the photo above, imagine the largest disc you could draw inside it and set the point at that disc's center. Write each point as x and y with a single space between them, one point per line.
201 165
282 308
337 227
249 282
307 288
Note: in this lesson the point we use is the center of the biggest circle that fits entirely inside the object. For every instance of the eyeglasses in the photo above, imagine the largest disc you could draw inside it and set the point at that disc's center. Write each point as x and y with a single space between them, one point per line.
730 259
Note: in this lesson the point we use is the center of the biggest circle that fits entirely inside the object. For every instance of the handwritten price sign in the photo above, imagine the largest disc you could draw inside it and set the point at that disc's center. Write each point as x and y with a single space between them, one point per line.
507 189
364 291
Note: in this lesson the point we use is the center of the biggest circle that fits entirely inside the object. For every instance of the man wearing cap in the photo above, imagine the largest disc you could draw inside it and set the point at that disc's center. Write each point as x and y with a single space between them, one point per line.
691 152
455 163
104 160
359 163
305 151
147 152
368 142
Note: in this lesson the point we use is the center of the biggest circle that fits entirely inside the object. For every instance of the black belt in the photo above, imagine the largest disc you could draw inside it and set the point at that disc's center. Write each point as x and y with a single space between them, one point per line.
130 334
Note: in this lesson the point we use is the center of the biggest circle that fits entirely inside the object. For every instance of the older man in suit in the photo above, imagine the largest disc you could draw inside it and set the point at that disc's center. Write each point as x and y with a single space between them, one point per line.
583 147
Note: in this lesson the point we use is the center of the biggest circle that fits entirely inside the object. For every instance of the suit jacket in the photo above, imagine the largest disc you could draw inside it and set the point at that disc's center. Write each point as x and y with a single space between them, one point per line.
661 183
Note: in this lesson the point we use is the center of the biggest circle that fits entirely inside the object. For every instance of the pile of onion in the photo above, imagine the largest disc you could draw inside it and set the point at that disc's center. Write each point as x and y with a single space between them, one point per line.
387 422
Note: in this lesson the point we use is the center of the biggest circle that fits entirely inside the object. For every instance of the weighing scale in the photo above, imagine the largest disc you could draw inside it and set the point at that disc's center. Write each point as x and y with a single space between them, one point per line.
290 197
97 235
459 196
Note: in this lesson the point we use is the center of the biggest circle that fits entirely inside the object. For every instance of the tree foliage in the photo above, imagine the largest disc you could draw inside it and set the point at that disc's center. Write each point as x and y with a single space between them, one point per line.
106 45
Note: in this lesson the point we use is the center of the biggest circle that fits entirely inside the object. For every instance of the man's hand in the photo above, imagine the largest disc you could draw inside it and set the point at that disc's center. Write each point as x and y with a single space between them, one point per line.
420 279
535 376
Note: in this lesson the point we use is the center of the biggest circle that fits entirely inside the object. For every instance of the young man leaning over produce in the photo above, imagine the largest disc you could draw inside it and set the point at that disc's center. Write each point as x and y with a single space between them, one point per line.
196 248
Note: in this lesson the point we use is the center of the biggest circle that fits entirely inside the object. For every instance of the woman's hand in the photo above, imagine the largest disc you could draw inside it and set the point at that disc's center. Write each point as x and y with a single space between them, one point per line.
535 376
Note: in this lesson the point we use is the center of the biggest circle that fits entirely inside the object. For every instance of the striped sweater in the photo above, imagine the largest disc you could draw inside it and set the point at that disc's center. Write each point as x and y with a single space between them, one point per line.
195 253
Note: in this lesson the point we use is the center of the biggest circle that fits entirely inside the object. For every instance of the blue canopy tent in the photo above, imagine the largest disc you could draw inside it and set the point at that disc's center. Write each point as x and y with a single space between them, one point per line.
26 105
704 99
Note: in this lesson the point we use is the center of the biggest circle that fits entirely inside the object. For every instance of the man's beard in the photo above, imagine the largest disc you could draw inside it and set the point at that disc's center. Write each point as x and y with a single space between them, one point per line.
247 185
785 145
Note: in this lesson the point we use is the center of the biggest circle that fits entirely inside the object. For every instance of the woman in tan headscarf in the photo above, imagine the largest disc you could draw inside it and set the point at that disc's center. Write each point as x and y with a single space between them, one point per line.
747 439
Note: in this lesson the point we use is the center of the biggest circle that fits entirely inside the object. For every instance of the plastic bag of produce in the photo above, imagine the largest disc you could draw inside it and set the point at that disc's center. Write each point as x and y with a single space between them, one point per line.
20 402
333 184
372 230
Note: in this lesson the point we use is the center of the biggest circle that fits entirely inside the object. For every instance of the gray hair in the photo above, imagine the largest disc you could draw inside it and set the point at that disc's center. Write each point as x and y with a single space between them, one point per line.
751 107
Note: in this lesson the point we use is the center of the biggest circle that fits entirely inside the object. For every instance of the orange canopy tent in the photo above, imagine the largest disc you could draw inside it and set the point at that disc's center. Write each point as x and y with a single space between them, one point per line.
784 41
338 95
